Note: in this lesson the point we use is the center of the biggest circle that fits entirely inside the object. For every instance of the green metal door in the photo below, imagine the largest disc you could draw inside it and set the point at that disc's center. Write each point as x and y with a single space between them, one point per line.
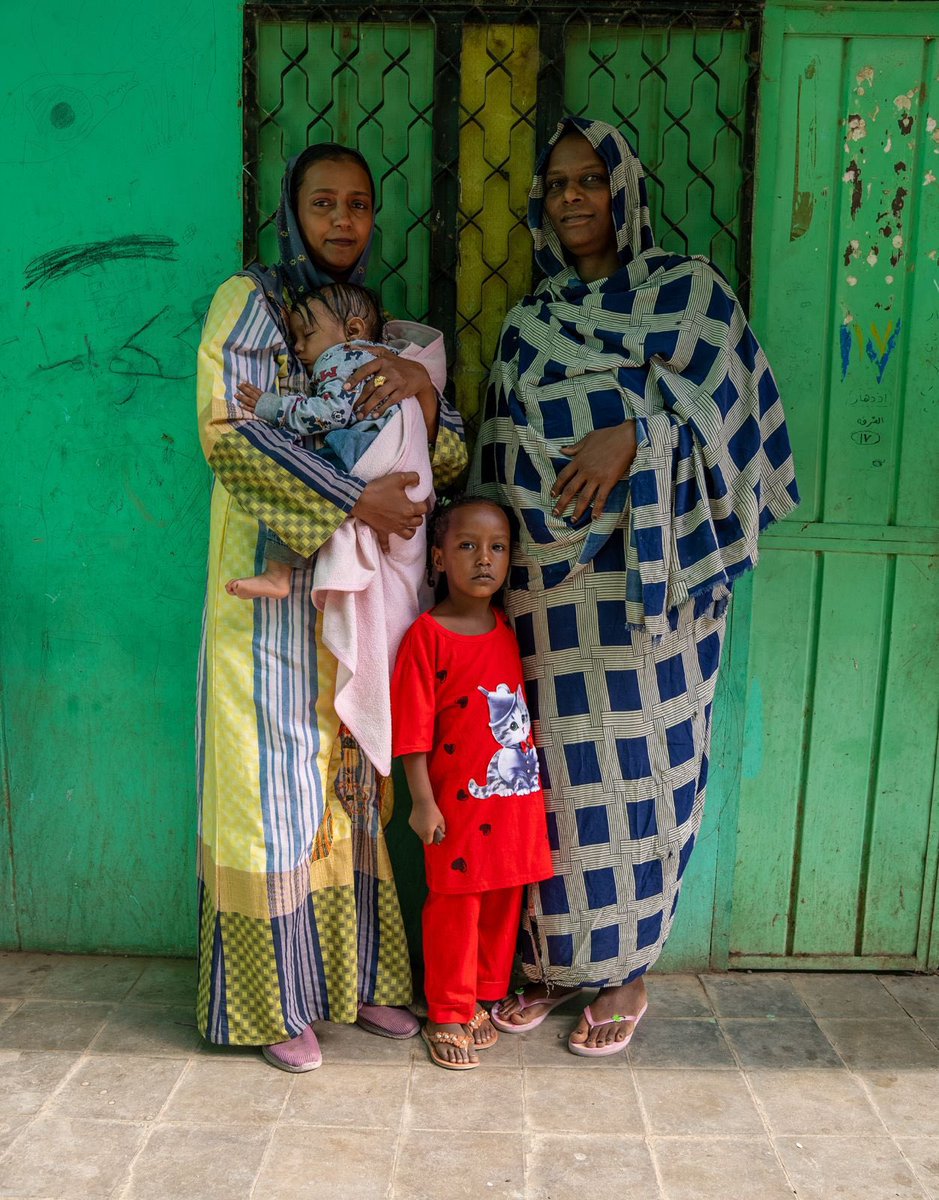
837 844
448 102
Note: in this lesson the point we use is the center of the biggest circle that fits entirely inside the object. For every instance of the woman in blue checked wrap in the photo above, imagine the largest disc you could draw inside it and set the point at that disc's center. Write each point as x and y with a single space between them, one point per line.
633 427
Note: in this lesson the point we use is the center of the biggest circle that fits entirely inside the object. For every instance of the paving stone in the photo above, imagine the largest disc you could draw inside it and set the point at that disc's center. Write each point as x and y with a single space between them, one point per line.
118 1088
697 1103
600 1167
86 977
70 1159
53 1025
148 1030
166 981
677 996
769 995
21 974
672 1044
907 1101
845 995
917 994
820 1102
877 1045
469 1167
716 1168
577 1102
236 1091
200 1161
314 1163
27 1080
923 1156
485 1098
347 1094
779 1044
846 1168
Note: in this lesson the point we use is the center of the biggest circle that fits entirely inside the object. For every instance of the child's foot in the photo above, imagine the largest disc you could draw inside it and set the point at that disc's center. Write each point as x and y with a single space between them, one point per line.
258 587
481 1030
450 1043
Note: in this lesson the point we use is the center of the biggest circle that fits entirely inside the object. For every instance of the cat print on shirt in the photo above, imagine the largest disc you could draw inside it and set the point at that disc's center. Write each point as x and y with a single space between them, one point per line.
513 770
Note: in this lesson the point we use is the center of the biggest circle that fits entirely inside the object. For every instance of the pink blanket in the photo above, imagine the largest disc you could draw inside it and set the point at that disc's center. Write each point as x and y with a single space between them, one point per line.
368 598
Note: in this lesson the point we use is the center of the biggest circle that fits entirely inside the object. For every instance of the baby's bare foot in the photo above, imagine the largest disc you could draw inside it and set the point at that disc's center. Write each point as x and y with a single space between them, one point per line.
257 587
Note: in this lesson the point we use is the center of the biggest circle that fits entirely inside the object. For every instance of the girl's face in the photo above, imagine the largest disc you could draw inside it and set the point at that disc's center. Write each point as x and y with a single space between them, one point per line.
314 329
474 555
335 214
577 199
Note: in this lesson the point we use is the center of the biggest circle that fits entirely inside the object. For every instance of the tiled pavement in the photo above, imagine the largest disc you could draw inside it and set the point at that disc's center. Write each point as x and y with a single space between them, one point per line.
744 1087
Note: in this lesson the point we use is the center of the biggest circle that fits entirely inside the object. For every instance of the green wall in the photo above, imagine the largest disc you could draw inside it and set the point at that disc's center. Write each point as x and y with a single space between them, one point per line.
119 122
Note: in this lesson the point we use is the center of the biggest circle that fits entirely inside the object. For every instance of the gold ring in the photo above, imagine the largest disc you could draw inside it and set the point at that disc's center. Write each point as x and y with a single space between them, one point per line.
378 381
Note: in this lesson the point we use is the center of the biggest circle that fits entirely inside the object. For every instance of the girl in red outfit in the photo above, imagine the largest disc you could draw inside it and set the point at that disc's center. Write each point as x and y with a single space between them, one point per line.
461 725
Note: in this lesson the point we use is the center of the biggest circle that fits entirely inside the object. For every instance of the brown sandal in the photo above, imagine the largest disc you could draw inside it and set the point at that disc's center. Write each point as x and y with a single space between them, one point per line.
447 1039
479 1016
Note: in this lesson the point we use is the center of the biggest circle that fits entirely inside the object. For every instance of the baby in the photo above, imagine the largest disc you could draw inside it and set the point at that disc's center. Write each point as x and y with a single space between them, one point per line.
333 332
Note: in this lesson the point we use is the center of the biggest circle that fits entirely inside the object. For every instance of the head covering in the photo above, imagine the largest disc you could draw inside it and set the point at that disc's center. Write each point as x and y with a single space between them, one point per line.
627 186
296 275
664 342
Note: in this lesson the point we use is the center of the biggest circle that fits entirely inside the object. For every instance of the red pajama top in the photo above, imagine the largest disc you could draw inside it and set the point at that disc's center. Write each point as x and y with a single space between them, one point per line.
459 698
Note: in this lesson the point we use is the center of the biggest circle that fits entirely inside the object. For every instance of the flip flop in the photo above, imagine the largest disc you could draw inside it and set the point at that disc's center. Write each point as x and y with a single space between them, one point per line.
549 1005
611 1047
479 1016
447 1039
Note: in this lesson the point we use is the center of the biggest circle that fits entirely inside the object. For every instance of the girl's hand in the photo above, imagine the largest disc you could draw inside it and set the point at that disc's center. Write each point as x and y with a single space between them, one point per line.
385 506
427 822
600 461
247 395
400 377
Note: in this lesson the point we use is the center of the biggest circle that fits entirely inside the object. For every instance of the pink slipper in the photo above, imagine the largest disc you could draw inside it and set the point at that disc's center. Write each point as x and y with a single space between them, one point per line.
611 1047
549 1005
388 1021
301 1053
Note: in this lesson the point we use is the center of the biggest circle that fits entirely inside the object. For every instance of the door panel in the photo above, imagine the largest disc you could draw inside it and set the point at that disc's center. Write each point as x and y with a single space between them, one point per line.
846 277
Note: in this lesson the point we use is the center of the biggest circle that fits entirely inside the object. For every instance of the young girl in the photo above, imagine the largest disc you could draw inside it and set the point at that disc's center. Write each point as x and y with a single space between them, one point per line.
462 726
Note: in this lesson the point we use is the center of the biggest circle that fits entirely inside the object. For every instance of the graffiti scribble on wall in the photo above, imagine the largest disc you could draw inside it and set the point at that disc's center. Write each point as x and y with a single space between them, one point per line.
55 264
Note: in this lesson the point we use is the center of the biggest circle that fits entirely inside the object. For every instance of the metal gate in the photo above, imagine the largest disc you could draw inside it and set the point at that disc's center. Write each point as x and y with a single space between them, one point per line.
448 102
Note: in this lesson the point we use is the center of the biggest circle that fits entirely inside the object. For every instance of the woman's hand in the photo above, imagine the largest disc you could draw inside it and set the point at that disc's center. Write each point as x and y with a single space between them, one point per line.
247 395
385 506
400 377
599 462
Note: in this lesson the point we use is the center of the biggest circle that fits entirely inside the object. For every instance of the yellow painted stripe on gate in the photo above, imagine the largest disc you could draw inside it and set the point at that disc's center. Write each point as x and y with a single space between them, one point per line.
497 151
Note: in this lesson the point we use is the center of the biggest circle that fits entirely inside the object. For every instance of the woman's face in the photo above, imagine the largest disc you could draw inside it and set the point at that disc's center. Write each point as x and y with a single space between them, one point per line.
578 202
335 214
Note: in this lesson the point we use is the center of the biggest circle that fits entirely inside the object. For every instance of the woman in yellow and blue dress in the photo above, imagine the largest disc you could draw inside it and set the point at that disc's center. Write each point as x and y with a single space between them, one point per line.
299 917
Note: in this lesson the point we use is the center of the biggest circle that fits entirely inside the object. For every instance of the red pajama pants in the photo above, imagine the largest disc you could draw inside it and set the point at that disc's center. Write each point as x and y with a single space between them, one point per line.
469 945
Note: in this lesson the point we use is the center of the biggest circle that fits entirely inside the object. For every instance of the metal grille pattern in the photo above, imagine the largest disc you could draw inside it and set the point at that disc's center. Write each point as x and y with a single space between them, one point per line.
448 102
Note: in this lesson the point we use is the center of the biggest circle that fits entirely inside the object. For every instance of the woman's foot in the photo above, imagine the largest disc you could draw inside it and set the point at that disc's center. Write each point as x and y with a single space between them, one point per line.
480 1030
301 1053
388 1021
259 587
628 1000
458 1051
530 1005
